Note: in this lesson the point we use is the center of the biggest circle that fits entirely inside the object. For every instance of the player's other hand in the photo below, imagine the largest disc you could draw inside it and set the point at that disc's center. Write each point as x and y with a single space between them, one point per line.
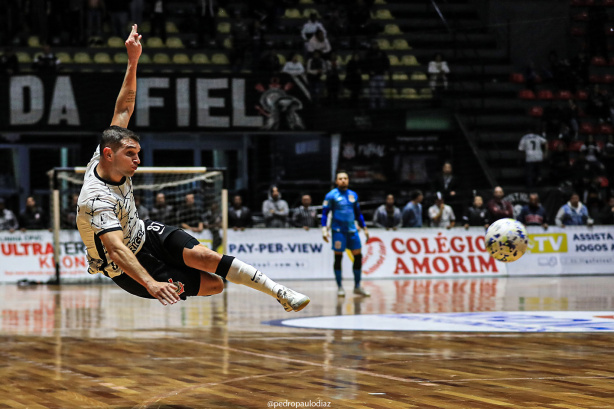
325 235
366 233
133 44
166 293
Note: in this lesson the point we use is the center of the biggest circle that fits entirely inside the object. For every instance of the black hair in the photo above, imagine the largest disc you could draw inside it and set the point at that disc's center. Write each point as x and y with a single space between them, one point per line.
113 136
415 194
341 171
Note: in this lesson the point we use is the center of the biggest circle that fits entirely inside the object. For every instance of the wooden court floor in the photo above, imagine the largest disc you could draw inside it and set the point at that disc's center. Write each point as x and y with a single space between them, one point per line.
94 346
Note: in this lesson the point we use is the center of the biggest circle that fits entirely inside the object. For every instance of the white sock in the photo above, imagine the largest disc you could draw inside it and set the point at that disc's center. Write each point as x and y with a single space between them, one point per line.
241 273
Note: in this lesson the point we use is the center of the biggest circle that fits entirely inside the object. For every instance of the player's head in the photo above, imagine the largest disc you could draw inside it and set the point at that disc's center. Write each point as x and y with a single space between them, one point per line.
416 196
120 148
306 200
342 179
574 199
498 192
478 201
533 199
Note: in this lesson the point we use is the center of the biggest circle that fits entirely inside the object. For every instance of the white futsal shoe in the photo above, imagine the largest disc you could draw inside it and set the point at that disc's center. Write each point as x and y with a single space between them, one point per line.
360 291
292 300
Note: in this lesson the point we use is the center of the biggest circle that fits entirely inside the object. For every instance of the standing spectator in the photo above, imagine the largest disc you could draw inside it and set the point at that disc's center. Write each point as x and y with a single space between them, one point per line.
476 214
412 212
498 208
206 11
441 214
533 214
438 72
377 65
33 217
47 61
68 217
445 182
119 10
162 212
353 78
158 19
9 64
190 216
294 67
388 215
310 28
275 210
305 215
239 216
8 221
319 43
534 146
606 216
573 213
333 82
316 69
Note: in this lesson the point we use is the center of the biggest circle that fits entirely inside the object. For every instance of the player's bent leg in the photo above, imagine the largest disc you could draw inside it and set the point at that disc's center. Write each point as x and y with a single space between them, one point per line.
201 258
210 284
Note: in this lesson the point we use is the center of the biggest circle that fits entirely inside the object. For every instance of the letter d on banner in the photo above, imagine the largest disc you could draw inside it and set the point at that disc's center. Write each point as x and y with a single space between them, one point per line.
36 101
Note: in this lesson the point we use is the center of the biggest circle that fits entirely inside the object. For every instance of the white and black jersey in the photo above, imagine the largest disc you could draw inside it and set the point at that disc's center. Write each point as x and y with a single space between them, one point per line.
106 206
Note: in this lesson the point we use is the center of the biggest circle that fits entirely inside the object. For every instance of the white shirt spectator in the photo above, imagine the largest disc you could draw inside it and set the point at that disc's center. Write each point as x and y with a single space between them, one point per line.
440 67
446 216
310 28
293 68
315 45
592 151
533 146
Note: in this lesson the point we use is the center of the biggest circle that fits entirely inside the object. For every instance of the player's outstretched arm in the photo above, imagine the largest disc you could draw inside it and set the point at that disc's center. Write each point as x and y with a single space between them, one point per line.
124 106
127 261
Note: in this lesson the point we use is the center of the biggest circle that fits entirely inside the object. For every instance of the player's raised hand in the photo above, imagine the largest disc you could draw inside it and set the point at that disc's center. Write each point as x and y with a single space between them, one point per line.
133 44
166 293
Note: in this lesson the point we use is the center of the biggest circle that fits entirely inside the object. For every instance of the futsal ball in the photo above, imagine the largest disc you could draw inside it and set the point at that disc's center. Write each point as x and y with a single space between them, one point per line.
506 240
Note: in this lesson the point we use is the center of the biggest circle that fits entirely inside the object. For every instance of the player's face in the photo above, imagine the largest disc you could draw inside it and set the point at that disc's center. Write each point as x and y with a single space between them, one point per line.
343 180
126 159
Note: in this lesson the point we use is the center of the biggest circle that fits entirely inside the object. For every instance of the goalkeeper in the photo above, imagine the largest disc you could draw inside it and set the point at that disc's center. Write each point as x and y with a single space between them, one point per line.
147 258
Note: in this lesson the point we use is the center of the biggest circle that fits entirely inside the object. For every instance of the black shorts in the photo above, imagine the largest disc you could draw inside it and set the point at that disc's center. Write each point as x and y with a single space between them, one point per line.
162 257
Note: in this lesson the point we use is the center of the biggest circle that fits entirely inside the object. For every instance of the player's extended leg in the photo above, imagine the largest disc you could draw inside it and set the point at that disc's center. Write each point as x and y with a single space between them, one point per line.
236 271
337 269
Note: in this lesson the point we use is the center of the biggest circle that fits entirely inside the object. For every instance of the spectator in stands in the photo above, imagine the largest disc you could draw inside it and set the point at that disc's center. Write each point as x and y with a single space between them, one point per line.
438 73
476 214
333 82
534 146
377 65
570 115
94 14
316 69
9 64
190 216
441 214
533 213
606 216
158 19
118 10
275 210
594 194
162 212
33 217
559 163
239 216
319 43
241 40
446 183
573 213
412 212
498 208
47 61
8 221
310 28
213 222
141 209
353 78
388 216
592 151
305 215
68 217
294 67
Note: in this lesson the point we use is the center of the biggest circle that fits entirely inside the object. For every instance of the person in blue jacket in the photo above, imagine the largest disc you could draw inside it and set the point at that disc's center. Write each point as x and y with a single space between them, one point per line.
343 203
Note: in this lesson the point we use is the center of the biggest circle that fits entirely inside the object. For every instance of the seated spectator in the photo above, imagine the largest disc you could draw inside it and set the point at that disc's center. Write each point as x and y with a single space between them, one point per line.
275 210
319 43
316 69
190 216
388 215
305 215
33 217
239 216
8 221
311 27
47 61
534 146
141 209
162 212
294 66
8 62
498 208
606 216
438 72
476 214
533 214
573 213
412 212
68 218
441 214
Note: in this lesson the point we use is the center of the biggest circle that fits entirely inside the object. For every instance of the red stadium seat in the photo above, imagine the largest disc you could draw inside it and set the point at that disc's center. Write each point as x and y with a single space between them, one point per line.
598 61
606 129
595 79
526 94
582 95
517 78
564 95
575 146
586 128
536 112
545 94
608 3
608 79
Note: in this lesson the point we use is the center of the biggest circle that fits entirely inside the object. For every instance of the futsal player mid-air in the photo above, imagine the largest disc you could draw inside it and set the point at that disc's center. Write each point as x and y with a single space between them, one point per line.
147 258
343 203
